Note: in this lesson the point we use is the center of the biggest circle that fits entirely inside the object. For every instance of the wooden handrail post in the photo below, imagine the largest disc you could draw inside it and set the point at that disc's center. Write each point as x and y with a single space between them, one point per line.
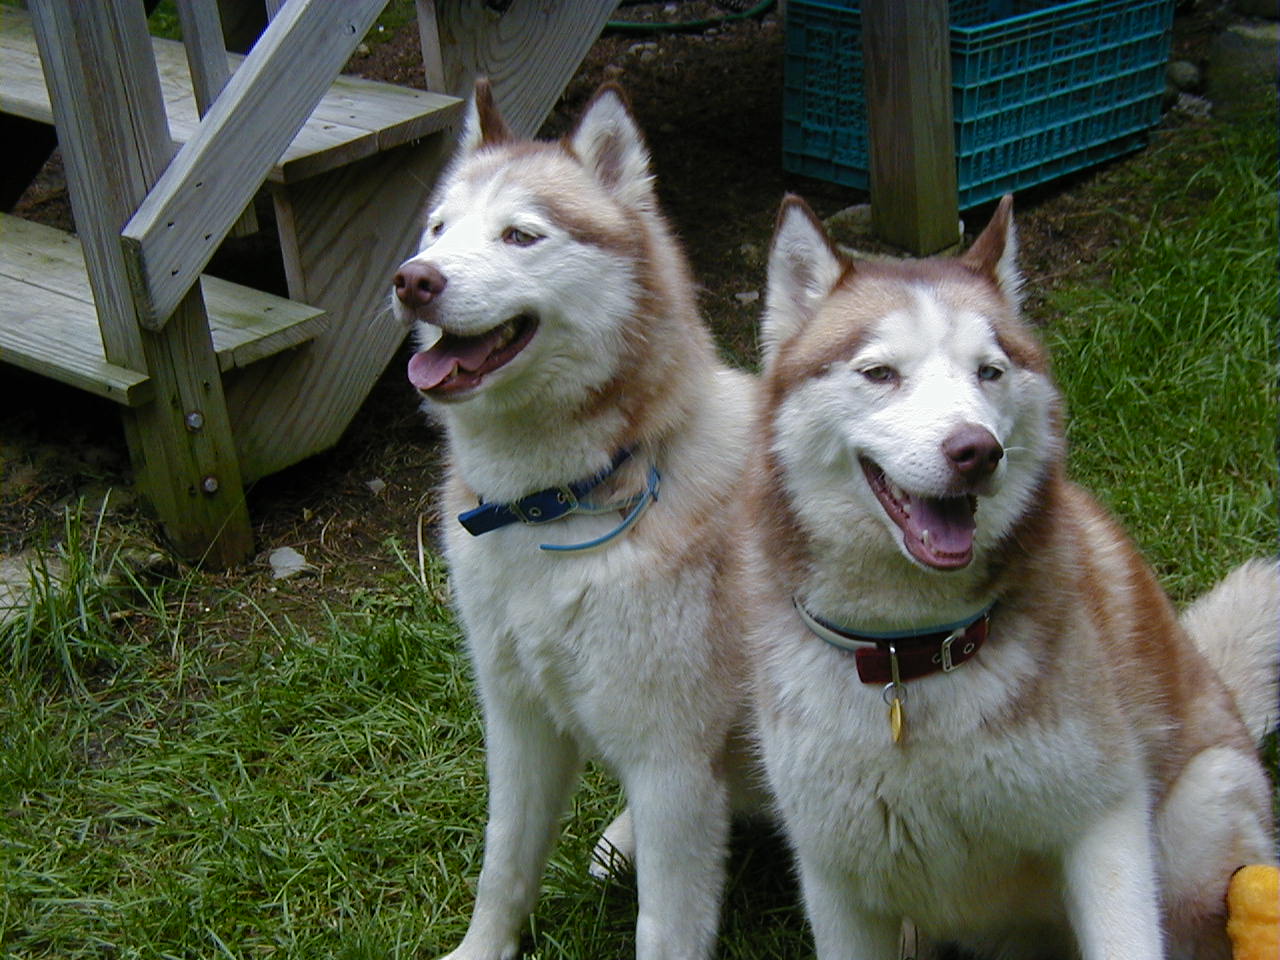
907 70
106 100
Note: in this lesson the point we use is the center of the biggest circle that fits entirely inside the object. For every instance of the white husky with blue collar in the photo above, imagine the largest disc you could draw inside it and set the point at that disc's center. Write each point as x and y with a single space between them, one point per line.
557 325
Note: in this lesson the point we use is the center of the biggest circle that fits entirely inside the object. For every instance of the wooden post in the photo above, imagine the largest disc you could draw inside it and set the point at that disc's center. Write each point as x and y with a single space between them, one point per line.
207 59
907 70
115 143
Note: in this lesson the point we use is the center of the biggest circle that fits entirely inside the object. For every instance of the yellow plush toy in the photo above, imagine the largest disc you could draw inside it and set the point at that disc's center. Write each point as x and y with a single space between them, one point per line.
1253 913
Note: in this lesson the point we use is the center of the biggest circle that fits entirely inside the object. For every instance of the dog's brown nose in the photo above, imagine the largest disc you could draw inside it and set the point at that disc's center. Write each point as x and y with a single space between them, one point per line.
417 283
973 452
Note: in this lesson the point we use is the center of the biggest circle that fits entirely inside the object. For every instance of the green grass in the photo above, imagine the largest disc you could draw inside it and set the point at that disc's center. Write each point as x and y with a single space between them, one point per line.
300 793
1169 368
183 774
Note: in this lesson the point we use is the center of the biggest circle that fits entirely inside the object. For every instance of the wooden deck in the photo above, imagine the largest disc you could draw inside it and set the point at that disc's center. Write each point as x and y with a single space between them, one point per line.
356 118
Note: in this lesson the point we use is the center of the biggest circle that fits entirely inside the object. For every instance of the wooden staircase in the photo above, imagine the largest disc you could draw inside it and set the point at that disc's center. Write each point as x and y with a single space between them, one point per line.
165 146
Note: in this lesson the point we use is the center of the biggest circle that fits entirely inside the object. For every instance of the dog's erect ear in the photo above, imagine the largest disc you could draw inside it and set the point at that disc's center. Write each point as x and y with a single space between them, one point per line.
803 268
483 126
995 253
610 145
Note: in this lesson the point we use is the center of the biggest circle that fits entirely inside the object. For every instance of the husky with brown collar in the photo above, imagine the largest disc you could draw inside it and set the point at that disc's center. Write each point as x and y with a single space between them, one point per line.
977 708
595 445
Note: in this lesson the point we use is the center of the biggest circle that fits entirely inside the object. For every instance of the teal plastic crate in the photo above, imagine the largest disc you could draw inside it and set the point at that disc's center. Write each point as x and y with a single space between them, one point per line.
1039 89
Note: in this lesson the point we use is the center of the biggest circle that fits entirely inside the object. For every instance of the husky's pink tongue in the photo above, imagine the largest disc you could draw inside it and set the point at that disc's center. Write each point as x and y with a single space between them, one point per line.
939 530
430 368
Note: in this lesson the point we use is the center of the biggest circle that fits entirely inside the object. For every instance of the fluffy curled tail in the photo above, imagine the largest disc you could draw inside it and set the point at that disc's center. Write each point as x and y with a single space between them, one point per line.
1236 625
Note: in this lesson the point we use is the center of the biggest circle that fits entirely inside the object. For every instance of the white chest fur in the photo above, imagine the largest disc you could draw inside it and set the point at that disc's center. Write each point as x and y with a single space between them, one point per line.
962 823
594 639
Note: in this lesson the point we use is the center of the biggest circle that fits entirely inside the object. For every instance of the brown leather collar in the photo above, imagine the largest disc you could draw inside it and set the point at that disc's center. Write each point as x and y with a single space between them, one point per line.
917 654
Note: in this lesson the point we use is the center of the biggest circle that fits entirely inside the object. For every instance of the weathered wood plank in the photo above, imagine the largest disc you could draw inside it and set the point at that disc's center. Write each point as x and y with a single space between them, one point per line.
247 325
206 55
285 409
57 337
907 66
529 51
397 115
191 208
207 60
354 119
94 60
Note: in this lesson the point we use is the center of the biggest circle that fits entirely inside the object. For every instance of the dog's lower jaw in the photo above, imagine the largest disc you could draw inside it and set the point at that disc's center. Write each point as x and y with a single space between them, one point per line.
935 532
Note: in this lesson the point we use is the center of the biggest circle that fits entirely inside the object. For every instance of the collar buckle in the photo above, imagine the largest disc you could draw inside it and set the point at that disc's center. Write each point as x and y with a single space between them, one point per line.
545 506
539 507
944 653
943 657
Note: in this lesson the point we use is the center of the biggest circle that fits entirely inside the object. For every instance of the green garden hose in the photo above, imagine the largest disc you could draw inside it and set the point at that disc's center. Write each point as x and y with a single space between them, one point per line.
688 26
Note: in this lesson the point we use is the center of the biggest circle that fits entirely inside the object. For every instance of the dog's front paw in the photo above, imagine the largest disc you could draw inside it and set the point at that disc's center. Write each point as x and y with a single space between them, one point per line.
484 947
466 952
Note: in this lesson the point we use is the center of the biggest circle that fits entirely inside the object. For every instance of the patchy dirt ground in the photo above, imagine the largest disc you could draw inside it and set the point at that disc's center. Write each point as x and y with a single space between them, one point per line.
710 104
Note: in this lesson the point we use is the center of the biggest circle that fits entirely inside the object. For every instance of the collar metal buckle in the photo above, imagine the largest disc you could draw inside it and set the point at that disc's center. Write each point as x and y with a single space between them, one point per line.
544 511
947 664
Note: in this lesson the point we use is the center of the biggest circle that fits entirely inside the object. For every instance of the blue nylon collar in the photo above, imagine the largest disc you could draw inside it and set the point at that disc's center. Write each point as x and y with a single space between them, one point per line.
544 506
634 505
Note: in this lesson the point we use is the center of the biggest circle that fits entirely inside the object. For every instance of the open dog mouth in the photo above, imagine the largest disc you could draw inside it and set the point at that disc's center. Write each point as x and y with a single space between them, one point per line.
456 363
937 531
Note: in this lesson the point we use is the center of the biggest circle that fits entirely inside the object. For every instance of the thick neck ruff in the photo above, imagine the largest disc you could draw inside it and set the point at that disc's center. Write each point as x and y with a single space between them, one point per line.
904 655
556 503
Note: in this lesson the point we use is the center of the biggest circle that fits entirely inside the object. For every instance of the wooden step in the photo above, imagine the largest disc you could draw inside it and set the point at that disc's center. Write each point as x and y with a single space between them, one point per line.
356 118
48 323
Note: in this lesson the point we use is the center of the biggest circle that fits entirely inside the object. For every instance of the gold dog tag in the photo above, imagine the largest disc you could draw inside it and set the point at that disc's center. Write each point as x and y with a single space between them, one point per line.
895 691
895 719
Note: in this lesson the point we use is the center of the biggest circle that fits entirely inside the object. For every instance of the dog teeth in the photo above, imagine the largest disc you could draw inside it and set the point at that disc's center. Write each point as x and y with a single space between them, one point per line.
925 536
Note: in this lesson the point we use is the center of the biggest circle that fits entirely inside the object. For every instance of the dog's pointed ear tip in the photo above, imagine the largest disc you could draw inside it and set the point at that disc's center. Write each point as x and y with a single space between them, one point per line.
610 88
797 223
792 210
610 97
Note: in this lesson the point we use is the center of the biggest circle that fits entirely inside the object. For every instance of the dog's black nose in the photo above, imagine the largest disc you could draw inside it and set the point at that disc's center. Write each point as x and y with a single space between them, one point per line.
418 283
972 451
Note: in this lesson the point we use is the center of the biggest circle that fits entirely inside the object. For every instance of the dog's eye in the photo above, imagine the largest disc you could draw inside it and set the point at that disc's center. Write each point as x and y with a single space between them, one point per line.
880 373
519 237
989 372
435 229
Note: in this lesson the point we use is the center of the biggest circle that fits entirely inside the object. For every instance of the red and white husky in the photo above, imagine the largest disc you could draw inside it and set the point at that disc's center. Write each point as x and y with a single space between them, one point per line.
596 445
977 708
